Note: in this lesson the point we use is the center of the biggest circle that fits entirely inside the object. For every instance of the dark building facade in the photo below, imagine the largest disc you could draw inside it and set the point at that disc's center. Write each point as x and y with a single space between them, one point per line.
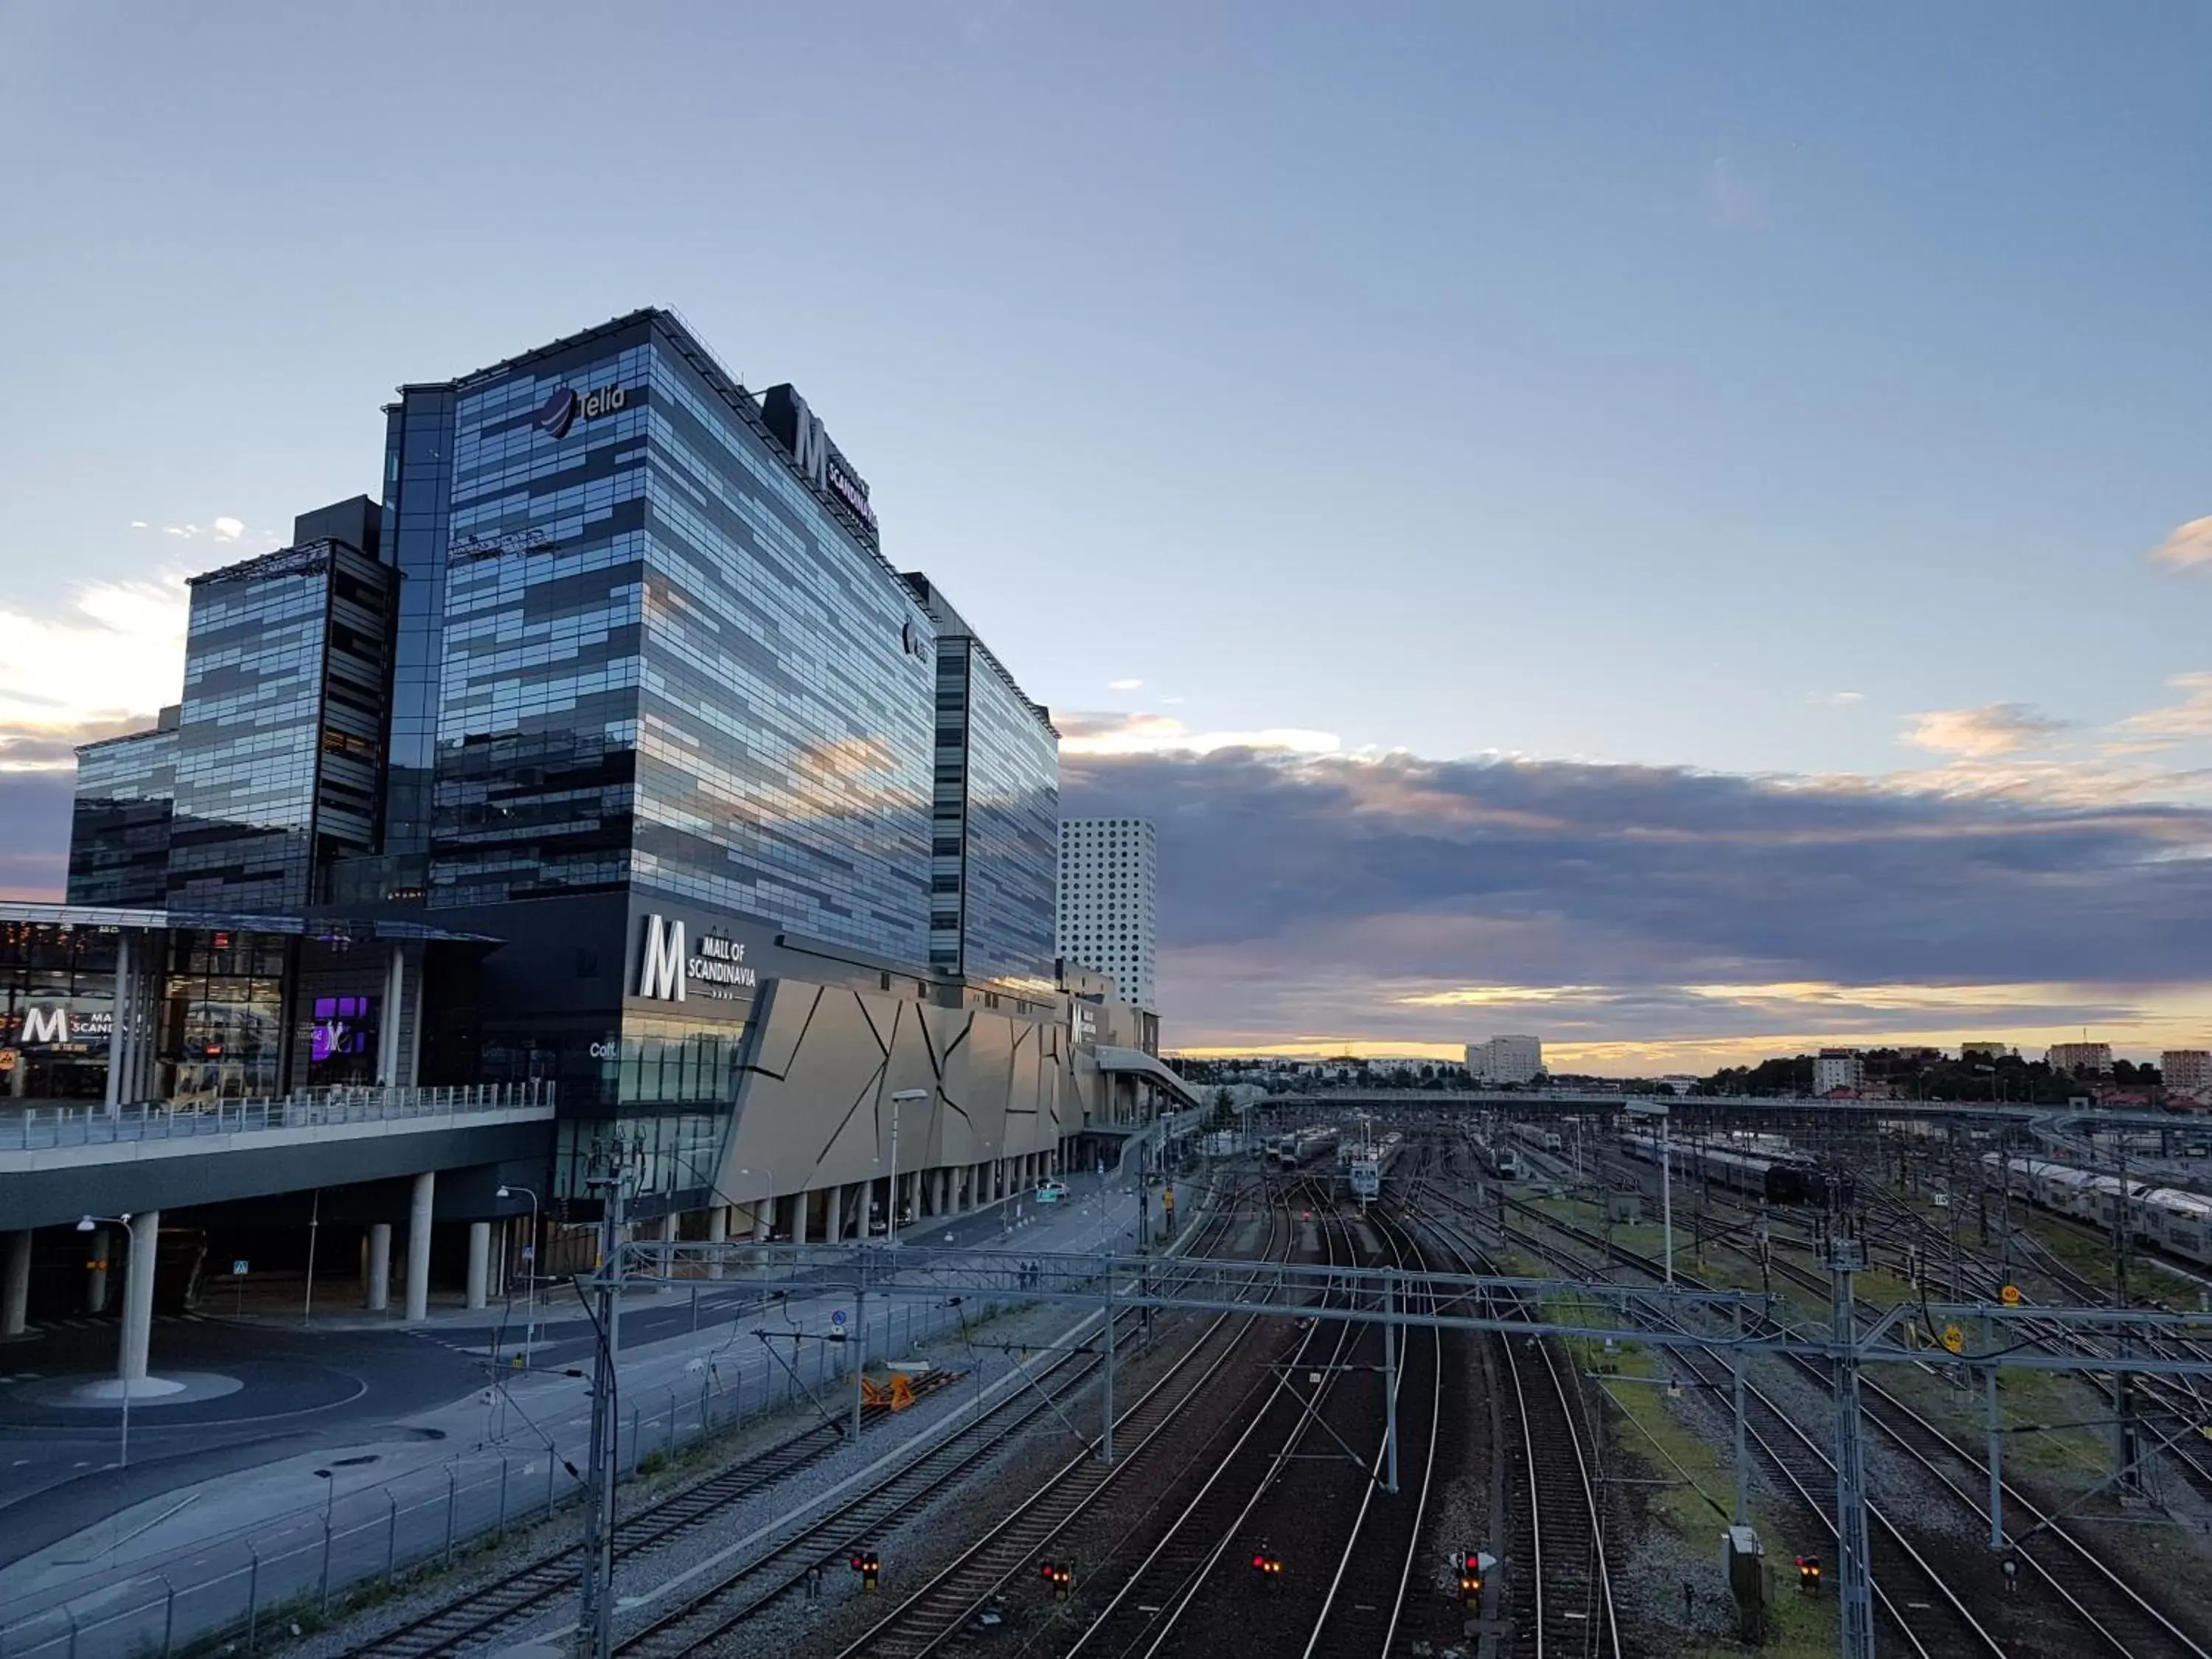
279 744
119 826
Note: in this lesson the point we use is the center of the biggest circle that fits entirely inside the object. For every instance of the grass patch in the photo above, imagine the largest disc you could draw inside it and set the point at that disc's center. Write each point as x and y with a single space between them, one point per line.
1699 1497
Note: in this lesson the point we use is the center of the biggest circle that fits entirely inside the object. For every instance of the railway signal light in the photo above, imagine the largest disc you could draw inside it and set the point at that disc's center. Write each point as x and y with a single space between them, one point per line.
1808 1575
1470 1577
1266 1564
1060 1574
870 1566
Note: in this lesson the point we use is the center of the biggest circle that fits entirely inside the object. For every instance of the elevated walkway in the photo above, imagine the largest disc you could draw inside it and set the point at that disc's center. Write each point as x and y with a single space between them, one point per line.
59 1163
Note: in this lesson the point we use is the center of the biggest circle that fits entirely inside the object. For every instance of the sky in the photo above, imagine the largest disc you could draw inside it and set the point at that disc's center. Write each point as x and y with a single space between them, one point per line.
1685 530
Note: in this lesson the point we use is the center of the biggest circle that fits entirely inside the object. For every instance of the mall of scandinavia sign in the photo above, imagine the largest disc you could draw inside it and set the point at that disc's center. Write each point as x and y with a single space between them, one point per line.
667 970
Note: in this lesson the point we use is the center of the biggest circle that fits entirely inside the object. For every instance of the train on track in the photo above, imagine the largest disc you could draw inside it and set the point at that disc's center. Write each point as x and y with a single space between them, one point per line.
1497 1156
1361 1166
2177 1222
1778 1179
1299 1147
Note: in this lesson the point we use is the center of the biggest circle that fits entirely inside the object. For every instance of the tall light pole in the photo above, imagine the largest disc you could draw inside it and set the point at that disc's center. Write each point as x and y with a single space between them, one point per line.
90 1223
892 1208
530 1278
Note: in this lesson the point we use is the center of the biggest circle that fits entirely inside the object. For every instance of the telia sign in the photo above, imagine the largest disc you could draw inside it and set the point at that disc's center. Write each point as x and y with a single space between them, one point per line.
559 412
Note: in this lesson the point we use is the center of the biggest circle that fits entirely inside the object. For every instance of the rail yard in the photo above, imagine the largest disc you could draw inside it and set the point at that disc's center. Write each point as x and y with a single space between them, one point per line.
1447 1383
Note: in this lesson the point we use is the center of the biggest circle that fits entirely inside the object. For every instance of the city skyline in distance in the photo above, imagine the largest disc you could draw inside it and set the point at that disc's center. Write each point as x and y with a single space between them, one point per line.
1701 576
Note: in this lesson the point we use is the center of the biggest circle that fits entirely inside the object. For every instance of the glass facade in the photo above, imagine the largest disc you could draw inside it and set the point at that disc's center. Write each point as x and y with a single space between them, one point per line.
57 1010
667 661
281 741
994 817
119 824
418 475
222 1019
1012 833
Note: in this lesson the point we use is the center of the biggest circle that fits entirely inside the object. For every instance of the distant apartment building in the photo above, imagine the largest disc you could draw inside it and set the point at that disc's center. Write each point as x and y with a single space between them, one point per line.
1108 907
1987 1053
1505 1060
1838 1068
2186 1070
2081 1059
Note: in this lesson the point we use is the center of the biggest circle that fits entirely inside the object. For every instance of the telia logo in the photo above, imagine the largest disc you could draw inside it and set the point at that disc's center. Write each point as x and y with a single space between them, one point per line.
559 412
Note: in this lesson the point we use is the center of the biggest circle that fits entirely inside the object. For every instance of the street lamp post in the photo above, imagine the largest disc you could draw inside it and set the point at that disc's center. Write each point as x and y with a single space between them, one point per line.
530 1278
899 1098
89 1223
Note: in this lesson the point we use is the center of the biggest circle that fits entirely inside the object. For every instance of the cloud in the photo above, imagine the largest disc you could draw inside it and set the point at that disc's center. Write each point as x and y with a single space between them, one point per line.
228 529
1398 901
105 667
1997 728
2187 547
1104 732
1123 685
1837 699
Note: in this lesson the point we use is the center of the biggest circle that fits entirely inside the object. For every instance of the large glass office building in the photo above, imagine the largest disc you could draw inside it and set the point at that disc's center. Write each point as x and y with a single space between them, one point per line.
610 714
667 659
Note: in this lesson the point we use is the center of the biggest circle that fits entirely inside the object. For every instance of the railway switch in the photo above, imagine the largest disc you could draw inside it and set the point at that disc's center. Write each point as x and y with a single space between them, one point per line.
1808 1575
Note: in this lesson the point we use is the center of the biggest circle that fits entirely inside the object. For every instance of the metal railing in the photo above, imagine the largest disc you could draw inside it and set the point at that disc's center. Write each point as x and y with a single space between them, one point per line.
35 1128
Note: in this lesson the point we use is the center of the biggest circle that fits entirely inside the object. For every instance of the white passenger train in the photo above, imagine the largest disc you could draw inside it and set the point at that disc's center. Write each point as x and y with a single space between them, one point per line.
2178 1222
1363 1165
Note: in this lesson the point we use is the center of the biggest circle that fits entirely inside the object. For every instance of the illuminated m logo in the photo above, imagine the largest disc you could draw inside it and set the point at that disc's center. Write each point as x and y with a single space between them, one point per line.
810 444
660 973
45 1025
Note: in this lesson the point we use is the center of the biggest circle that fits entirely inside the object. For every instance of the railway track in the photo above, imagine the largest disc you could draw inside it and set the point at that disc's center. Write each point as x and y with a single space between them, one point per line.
525 1595
1377 1573
1562 1589
787 1555
2111 1612
1145 1614
522 1596
929 1618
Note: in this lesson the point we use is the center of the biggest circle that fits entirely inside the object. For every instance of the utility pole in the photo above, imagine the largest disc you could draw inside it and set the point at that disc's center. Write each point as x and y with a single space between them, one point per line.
1854 1569
595 1629
2127 1446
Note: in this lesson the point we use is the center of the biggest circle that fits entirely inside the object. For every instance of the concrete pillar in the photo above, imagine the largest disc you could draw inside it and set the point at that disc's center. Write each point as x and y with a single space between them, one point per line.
799 1218
718 1232
418 1242
763 1219
479 1262
119 1030
15 1287
387 1033
377 1274
95 1276
833 1221
138 1294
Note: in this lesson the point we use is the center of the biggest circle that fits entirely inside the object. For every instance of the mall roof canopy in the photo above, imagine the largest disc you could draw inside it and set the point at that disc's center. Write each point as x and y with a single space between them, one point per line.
1135 1062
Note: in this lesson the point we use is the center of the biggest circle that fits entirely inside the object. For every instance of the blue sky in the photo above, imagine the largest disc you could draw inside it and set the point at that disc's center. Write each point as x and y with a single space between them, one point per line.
1694 386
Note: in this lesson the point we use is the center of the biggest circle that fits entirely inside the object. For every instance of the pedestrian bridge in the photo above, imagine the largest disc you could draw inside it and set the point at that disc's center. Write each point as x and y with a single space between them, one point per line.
58 1163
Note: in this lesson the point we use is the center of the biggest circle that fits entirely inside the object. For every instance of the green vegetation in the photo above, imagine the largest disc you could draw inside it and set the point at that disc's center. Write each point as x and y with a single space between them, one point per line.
1697 1494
